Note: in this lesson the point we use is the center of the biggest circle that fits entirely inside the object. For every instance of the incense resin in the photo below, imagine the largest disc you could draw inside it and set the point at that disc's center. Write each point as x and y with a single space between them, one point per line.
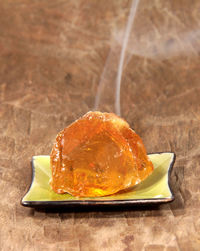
98 155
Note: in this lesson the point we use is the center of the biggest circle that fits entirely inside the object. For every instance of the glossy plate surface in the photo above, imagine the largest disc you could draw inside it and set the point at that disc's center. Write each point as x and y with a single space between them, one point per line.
155 189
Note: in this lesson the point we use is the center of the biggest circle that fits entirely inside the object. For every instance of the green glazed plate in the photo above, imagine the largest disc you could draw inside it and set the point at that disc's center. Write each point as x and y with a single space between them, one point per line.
154 189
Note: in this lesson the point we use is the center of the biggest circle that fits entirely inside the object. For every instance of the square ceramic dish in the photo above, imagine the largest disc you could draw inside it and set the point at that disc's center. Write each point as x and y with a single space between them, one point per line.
154 189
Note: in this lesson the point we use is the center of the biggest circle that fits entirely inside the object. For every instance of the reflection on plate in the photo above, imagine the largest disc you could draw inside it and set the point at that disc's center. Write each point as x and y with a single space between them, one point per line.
154 189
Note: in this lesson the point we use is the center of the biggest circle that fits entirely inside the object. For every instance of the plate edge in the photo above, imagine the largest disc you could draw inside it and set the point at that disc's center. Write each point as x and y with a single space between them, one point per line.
169 174
169 171
32 179
96 202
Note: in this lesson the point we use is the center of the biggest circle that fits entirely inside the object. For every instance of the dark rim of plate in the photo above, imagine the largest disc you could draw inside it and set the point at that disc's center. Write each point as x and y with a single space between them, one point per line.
99 202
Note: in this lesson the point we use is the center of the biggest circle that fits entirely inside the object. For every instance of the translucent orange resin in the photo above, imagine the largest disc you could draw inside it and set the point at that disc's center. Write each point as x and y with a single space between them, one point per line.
97 155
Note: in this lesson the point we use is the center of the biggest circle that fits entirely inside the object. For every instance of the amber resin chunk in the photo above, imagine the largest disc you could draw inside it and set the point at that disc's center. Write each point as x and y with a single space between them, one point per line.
97 155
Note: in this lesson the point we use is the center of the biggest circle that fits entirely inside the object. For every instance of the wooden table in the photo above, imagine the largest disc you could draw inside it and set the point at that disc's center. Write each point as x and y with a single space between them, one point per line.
52 57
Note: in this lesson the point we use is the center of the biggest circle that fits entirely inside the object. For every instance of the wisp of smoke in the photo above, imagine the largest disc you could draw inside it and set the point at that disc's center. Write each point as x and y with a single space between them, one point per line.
122 54
120 65
149 46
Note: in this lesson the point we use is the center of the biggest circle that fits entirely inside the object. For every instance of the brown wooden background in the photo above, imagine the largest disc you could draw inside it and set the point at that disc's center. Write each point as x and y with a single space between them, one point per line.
52 54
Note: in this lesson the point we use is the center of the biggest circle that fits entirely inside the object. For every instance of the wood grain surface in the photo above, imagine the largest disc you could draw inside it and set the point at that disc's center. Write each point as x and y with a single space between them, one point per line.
52 55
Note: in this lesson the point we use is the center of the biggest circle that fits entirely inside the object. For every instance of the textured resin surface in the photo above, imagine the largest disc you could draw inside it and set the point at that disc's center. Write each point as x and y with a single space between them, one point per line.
98 155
